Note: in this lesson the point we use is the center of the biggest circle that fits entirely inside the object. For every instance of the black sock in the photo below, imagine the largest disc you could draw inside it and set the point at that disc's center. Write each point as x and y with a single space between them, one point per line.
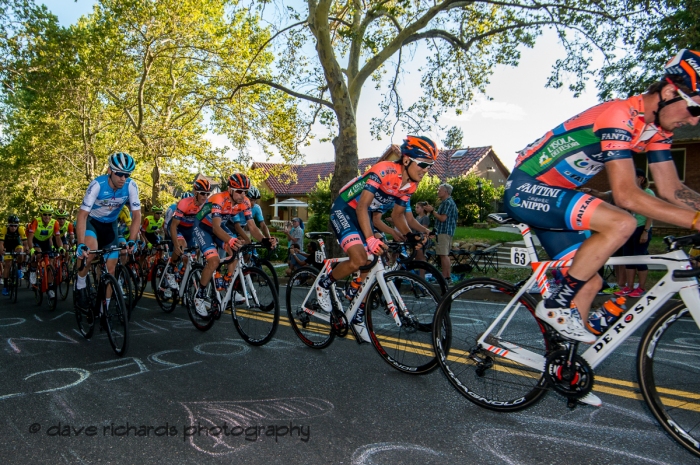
326 281
562 297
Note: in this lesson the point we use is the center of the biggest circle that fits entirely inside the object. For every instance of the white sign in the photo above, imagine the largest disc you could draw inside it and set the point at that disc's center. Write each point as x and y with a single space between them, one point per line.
519 256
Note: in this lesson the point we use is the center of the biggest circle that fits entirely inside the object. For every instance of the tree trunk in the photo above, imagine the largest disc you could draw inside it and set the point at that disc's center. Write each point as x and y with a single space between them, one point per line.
155 177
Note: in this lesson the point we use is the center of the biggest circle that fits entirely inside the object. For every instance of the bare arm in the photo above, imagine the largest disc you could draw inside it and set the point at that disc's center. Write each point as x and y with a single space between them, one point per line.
241 233
398 214
414 224
135 225
173 228
80 226
363 213
671 188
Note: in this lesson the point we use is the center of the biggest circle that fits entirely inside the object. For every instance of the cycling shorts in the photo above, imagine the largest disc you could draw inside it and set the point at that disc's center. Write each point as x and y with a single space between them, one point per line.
105 233
347 229
43 246
186 234
12 246
559 217
204 238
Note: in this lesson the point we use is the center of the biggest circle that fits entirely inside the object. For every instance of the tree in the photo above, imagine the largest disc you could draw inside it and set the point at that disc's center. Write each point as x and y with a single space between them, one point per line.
320 202
668 27
454 138
465 192
426 191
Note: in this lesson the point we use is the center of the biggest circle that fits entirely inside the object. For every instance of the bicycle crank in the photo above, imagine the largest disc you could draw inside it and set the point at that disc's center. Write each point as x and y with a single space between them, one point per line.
339 323
569 374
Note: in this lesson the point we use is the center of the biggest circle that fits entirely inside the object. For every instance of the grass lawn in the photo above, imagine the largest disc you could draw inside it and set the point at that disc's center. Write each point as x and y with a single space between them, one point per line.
485 235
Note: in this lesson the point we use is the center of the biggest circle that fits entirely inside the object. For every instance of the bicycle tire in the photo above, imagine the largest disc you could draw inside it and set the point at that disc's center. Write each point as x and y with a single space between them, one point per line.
136 279
201 322
407 348
257 322
82 316
313 331
668 377
497 383
123 277
13 285
428 268
64 284
116 315
51 278
167 304
269 269
36 288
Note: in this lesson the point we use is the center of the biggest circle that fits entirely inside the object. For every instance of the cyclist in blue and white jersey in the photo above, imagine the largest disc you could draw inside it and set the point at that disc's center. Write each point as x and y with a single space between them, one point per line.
96 225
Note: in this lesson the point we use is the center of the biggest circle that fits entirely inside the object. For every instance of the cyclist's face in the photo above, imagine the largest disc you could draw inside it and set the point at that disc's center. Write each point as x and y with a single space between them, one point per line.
61 221
416 172
676 114
117 181
237 195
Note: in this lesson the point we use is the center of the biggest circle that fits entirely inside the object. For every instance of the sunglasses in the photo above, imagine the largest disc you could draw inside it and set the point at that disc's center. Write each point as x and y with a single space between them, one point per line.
12 225
46 215
205 194
240 191
693 106
122 175
421 164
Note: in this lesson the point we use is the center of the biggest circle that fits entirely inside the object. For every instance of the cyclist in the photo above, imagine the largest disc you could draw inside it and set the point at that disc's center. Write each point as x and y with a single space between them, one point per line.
170 212
96 225
42 236
239 220
13 238
152 225
541 191
66 228
387 182
210 230
180 227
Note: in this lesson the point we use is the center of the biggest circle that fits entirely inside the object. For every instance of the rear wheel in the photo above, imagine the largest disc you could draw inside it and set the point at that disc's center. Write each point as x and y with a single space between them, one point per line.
204 318
256 321
51 296
479 372
429 269
312 325
270 270
126 288
116 315
408 347
136 279
36 288
668 367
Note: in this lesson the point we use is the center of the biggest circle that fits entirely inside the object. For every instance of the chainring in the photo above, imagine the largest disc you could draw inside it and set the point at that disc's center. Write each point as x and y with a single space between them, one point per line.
339 323
573 380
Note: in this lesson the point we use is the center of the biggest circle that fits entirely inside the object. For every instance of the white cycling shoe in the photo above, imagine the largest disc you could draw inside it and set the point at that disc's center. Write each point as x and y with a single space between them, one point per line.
202 307
565 321
323 297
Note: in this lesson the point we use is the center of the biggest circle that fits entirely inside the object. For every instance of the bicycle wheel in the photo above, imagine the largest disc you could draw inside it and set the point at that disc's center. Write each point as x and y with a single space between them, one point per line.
270 270
123 276
408 347
116 315
200 321
484 376
429 269
313 331
166 297
86 318
668 367
13 282
64 281
51 280
36 288
136 279
257 320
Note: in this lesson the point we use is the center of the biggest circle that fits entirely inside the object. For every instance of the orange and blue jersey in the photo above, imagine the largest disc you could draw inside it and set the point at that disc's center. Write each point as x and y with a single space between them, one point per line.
221 205
575 151
186 211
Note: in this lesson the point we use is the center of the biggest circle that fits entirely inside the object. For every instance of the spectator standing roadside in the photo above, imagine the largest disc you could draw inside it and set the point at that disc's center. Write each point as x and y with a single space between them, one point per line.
295 234
445 225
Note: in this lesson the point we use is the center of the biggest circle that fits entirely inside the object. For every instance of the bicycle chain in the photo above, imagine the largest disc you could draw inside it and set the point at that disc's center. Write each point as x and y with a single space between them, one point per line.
572 379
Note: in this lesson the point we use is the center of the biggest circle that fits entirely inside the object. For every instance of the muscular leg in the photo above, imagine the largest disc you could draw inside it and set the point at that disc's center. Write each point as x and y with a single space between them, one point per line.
611 228
358 258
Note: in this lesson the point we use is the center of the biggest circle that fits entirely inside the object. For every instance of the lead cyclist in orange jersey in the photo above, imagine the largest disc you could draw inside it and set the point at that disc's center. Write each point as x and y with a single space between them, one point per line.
541 190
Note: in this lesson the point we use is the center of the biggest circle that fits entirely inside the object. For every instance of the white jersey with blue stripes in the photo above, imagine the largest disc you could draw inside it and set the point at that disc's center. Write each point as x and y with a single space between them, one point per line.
105 203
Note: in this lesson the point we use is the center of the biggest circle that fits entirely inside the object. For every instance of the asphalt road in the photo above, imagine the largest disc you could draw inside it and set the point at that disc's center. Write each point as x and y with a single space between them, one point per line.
181 396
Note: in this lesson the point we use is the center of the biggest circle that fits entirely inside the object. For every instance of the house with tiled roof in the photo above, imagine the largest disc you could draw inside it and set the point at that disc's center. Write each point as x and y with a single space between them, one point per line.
298 180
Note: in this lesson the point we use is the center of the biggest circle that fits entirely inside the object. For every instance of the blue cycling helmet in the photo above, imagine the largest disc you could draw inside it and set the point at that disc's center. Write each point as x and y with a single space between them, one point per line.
122 162
187 195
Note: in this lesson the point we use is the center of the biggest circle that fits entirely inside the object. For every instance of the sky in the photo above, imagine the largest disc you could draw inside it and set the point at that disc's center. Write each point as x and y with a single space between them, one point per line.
520 110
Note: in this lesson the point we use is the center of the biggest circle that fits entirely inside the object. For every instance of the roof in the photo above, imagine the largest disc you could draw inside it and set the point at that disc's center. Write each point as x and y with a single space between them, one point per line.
307 176
686 134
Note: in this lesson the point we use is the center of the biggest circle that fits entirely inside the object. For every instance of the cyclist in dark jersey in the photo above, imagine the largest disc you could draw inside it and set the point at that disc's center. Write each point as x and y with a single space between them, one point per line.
542 192
387 182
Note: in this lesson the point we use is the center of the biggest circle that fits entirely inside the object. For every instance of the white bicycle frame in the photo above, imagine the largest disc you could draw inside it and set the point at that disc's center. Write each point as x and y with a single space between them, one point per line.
376 274
246 282
191 257
633 318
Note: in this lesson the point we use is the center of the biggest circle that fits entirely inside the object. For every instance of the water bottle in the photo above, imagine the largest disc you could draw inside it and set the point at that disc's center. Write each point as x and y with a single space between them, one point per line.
226 281
218 281
354 286
614 308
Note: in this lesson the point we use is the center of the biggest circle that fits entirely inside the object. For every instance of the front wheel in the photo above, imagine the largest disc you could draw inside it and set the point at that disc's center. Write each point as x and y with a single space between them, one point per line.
204 315
126 287
36 288
51 297
309 321
270 270
668 367
256 321
115 314
165 296
407 347
85 317
483 373
13 282
63 280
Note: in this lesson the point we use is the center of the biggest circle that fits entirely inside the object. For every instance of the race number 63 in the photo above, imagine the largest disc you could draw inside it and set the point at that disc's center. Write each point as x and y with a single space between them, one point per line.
519 256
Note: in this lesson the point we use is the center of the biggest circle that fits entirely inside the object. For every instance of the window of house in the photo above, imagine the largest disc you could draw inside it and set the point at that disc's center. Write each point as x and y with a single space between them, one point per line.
640 161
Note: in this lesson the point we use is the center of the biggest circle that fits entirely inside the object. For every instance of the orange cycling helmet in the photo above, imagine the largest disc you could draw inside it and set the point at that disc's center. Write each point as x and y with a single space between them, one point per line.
202 185
687 65
419 147
239 181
